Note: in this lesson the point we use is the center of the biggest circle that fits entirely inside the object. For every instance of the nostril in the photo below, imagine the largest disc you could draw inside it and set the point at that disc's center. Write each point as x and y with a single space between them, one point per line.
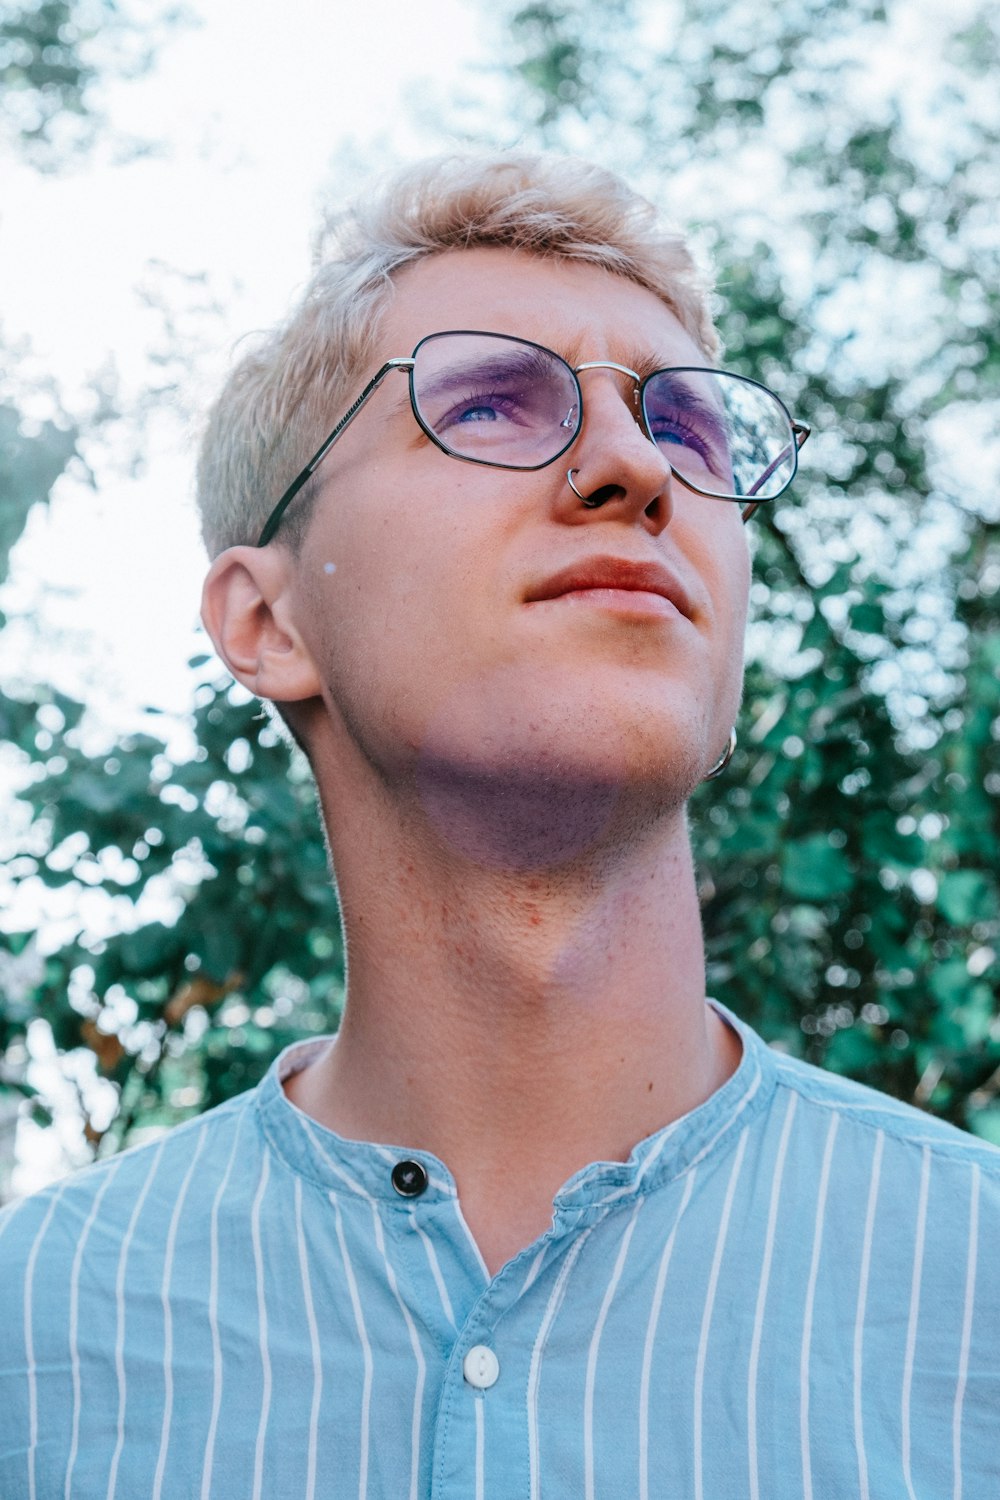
603 495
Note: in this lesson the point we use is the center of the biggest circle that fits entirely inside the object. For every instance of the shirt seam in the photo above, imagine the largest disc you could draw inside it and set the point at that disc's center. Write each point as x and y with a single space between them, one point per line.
900 1128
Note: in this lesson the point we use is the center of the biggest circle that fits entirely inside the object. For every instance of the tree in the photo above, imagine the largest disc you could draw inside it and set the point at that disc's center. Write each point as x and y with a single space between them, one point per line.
850 882
54 55
847 859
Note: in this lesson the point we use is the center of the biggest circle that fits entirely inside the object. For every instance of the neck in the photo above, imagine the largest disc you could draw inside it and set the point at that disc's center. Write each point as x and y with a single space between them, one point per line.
518 1024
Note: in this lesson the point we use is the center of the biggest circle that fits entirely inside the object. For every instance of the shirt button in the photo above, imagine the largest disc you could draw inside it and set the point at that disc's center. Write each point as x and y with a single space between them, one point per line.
409 1179
481 1367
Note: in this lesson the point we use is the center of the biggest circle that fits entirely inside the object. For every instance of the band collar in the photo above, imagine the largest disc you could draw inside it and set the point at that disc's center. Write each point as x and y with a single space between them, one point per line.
365 1169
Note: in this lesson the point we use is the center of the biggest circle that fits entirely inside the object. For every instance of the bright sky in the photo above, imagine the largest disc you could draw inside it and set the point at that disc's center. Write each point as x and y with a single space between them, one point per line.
262 112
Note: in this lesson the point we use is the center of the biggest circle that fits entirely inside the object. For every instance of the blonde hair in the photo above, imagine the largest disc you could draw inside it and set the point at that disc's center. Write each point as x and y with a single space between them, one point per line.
283 397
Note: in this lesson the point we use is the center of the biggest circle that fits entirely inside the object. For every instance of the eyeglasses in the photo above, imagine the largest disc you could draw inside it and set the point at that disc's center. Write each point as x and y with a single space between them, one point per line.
488 398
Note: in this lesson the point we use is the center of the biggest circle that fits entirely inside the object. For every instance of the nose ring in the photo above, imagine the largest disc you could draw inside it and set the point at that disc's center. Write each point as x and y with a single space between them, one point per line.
590 501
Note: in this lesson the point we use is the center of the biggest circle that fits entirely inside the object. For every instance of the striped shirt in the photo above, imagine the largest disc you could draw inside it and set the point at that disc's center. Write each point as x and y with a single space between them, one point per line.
792 1291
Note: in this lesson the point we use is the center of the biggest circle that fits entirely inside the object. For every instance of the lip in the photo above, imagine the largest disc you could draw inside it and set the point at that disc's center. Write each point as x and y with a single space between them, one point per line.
607 579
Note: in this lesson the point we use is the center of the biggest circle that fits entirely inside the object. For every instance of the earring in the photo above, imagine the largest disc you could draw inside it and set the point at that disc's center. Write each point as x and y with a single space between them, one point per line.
725 758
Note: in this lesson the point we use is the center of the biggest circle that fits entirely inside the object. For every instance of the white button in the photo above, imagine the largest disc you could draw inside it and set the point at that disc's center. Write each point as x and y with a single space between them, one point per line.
481 1367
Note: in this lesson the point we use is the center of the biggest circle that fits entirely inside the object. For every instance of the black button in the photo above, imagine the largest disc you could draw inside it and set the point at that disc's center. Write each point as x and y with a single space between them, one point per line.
409 1179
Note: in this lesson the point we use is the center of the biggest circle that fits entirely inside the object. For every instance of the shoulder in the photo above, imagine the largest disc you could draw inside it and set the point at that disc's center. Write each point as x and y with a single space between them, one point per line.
875 1157
108 1202
821 1095
861 1162
822 1107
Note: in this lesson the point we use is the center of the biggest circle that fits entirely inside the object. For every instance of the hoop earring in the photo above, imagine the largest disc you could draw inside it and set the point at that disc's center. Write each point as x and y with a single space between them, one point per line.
588 500
723 761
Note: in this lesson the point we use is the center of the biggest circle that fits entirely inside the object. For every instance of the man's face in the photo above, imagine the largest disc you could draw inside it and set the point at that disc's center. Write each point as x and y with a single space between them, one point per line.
420 587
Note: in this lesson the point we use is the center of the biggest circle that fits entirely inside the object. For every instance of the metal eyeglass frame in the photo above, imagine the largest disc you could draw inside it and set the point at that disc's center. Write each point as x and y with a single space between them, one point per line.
799 431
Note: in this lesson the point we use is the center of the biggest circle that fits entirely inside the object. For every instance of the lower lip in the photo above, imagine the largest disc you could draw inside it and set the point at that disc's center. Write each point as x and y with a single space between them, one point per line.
619 602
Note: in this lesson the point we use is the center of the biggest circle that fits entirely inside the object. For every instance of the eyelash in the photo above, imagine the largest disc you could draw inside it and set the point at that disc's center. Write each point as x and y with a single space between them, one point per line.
476 399
684 427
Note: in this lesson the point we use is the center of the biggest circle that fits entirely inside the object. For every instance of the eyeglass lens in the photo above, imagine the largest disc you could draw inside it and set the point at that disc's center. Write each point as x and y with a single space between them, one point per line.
496 400
727 435
499 400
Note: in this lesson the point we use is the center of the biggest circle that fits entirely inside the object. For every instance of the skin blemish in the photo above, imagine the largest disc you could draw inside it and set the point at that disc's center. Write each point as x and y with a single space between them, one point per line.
329 567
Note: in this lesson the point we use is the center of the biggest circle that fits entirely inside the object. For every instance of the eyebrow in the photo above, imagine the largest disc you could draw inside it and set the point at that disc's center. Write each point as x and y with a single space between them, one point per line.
687 398
502 365
644 362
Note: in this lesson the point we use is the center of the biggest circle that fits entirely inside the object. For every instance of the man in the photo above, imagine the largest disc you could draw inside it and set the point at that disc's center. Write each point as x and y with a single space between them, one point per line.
542 1222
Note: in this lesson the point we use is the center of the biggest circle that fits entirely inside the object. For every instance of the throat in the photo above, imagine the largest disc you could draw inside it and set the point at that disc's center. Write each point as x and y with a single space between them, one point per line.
516 822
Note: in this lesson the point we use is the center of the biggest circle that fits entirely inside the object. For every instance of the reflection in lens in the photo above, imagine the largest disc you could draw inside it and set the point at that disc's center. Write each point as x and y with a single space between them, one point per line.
507 401
495 399
724 434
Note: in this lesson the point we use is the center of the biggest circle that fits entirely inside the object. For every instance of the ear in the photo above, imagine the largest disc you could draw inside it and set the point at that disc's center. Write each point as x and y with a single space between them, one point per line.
246 606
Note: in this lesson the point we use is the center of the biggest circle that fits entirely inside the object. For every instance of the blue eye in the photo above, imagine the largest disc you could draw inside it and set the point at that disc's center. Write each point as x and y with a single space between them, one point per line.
662 436
681 415
495 400
481 413
677 434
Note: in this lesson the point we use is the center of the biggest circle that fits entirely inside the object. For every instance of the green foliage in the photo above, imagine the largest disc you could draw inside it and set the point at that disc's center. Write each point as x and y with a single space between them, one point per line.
30 464
228 942
40 60
850 892
848 858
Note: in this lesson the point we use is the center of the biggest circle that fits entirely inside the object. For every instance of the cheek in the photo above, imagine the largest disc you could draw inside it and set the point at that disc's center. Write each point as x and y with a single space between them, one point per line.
734 604
393 611
738 592
724 566
720 556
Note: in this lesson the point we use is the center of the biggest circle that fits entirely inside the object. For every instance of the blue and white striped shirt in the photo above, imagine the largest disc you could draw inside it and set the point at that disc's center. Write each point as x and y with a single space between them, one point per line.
792 1291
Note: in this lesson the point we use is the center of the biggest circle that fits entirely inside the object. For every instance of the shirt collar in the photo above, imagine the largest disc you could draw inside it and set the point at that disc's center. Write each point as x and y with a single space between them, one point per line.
364 1168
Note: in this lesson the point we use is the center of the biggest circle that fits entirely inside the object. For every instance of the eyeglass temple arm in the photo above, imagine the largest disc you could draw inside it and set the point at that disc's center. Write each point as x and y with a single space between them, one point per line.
274 519
799 433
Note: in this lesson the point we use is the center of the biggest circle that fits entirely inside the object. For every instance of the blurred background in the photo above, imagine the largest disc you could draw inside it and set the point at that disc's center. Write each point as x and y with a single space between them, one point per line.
167 922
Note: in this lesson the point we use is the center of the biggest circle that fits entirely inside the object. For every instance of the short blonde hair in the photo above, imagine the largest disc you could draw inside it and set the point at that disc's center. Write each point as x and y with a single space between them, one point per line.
282 398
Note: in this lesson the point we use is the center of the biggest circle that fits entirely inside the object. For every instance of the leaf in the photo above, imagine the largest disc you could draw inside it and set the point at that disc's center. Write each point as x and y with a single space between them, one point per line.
813 870
148 949
966 896
30 464
950 984
986 1124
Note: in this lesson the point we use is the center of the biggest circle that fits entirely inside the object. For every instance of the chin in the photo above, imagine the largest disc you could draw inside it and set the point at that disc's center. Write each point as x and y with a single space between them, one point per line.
532 787
613 727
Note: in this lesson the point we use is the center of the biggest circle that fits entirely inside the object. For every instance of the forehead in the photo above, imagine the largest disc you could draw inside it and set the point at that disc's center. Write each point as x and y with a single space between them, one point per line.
581 311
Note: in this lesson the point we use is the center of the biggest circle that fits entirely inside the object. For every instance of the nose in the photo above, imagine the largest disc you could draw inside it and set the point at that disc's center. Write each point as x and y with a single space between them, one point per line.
615 466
